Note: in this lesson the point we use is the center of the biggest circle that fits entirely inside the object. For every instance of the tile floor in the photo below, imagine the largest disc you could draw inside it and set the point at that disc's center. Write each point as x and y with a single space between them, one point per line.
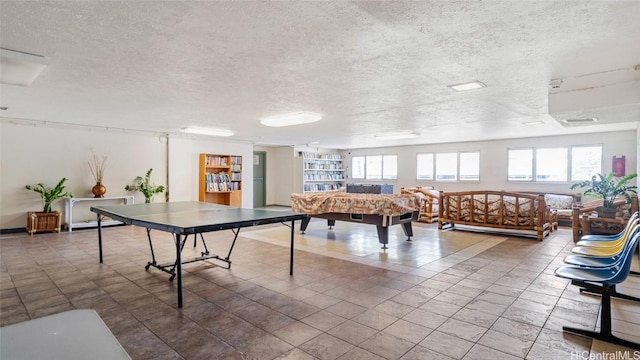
444 295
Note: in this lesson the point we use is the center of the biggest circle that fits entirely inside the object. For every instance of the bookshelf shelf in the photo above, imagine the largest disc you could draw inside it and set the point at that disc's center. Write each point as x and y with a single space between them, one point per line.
322 172
220 179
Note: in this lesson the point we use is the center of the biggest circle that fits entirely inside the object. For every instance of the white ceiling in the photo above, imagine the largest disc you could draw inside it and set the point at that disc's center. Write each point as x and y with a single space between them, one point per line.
368 67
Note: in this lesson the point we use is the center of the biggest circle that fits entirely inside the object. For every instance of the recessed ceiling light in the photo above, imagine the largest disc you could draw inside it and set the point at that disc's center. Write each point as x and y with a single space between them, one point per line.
302 117
468 86
314 143
539 122
207 131
19 68
397 136
4 108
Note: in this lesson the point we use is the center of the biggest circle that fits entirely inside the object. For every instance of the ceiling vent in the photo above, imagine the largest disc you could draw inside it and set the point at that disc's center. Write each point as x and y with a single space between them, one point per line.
603 98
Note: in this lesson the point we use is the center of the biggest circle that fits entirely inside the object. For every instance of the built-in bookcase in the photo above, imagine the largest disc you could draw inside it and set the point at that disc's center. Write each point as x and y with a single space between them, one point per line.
322 172
221 179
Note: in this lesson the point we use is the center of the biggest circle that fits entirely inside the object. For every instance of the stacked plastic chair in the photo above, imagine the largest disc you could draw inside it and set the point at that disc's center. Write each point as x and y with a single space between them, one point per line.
598 264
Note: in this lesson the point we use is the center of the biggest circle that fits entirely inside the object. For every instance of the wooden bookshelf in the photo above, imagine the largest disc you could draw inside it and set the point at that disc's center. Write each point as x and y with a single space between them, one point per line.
220 179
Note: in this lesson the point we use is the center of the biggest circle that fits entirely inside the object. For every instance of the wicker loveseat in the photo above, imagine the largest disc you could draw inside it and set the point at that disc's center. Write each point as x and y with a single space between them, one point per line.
521 214
430 198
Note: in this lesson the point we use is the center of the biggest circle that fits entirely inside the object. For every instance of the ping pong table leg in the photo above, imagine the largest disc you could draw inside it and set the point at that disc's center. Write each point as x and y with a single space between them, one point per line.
291 256
100 237
179 268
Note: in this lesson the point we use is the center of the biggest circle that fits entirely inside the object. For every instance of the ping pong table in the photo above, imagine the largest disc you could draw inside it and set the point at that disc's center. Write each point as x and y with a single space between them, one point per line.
191 218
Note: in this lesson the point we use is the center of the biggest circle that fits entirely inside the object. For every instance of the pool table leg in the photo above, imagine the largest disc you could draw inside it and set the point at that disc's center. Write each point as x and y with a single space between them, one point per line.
408 230
383 235
303 224
331 223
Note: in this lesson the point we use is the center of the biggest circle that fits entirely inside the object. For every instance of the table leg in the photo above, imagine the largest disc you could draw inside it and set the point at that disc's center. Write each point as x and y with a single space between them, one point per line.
291 255
100 237
383 235
303 224
408 230
179 269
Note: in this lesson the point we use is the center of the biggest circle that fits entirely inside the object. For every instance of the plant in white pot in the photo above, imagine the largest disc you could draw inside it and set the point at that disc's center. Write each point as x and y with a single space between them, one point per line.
145 186
46 220
608 188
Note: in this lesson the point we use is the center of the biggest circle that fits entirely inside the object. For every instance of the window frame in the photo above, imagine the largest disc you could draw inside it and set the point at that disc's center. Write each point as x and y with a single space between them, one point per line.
569 163
382 167
434 165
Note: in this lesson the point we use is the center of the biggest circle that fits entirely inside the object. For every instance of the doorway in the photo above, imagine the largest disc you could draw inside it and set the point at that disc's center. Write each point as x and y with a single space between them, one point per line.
259 175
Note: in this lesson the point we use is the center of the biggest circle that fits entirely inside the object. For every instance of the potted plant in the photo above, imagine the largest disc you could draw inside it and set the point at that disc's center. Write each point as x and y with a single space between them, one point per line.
608 188
47 220
98 165
145 186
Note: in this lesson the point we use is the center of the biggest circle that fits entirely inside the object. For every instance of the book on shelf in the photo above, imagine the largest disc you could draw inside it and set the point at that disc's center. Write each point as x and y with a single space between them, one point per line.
220 182
216 160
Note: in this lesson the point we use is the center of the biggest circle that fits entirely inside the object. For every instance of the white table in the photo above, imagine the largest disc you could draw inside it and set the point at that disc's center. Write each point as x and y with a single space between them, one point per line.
70 335
68 214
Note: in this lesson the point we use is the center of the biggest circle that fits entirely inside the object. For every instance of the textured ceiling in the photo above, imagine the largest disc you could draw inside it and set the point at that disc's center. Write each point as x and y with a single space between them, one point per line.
368 67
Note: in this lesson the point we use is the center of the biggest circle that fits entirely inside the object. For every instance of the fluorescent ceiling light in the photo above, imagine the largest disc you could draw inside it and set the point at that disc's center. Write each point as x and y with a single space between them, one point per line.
207 131
18 68
539 122
302 117
397 136
579 121
468 86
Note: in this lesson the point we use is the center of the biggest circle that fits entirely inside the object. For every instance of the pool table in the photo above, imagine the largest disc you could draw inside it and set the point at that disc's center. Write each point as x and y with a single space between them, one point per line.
381 210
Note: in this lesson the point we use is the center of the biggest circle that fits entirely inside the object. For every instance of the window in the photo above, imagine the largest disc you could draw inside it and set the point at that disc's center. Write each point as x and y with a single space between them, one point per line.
586 161
357 167
469 166
389 167
551 164
520 167
425 166
374 167
554 164
444 166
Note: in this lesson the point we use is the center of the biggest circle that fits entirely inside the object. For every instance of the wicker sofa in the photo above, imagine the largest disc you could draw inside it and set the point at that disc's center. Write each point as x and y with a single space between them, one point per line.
517 213
561 206
430 198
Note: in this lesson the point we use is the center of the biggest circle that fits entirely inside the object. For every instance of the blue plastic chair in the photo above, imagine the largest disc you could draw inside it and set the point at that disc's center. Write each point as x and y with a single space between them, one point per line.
602 281
601 261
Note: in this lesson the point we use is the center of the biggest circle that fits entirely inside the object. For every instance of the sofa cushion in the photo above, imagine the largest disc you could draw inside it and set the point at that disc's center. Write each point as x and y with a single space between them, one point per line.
558 201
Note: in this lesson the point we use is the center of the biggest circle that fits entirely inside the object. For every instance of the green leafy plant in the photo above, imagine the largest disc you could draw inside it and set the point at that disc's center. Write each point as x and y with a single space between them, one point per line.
49 194
608 187
145 186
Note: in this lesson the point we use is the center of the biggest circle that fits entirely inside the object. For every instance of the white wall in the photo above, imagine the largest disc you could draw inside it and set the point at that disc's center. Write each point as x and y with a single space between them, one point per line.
184 153
45 153
493 160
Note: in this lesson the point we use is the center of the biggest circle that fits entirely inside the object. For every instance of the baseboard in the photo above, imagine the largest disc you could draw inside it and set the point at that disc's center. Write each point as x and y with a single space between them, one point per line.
13 231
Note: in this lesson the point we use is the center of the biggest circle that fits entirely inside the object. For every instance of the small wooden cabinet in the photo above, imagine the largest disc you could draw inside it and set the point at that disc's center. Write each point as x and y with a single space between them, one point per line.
220 179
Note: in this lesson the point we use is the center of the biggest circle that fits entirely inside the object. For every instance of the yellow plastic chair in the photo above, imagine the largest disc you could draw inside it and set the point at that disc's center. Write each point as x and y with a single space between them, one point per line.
614 241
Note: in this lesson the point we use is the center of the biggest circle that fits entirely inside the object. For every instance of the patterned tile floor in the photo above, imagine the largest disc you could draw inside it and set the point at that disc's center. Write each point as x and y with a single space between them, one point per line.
444 295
